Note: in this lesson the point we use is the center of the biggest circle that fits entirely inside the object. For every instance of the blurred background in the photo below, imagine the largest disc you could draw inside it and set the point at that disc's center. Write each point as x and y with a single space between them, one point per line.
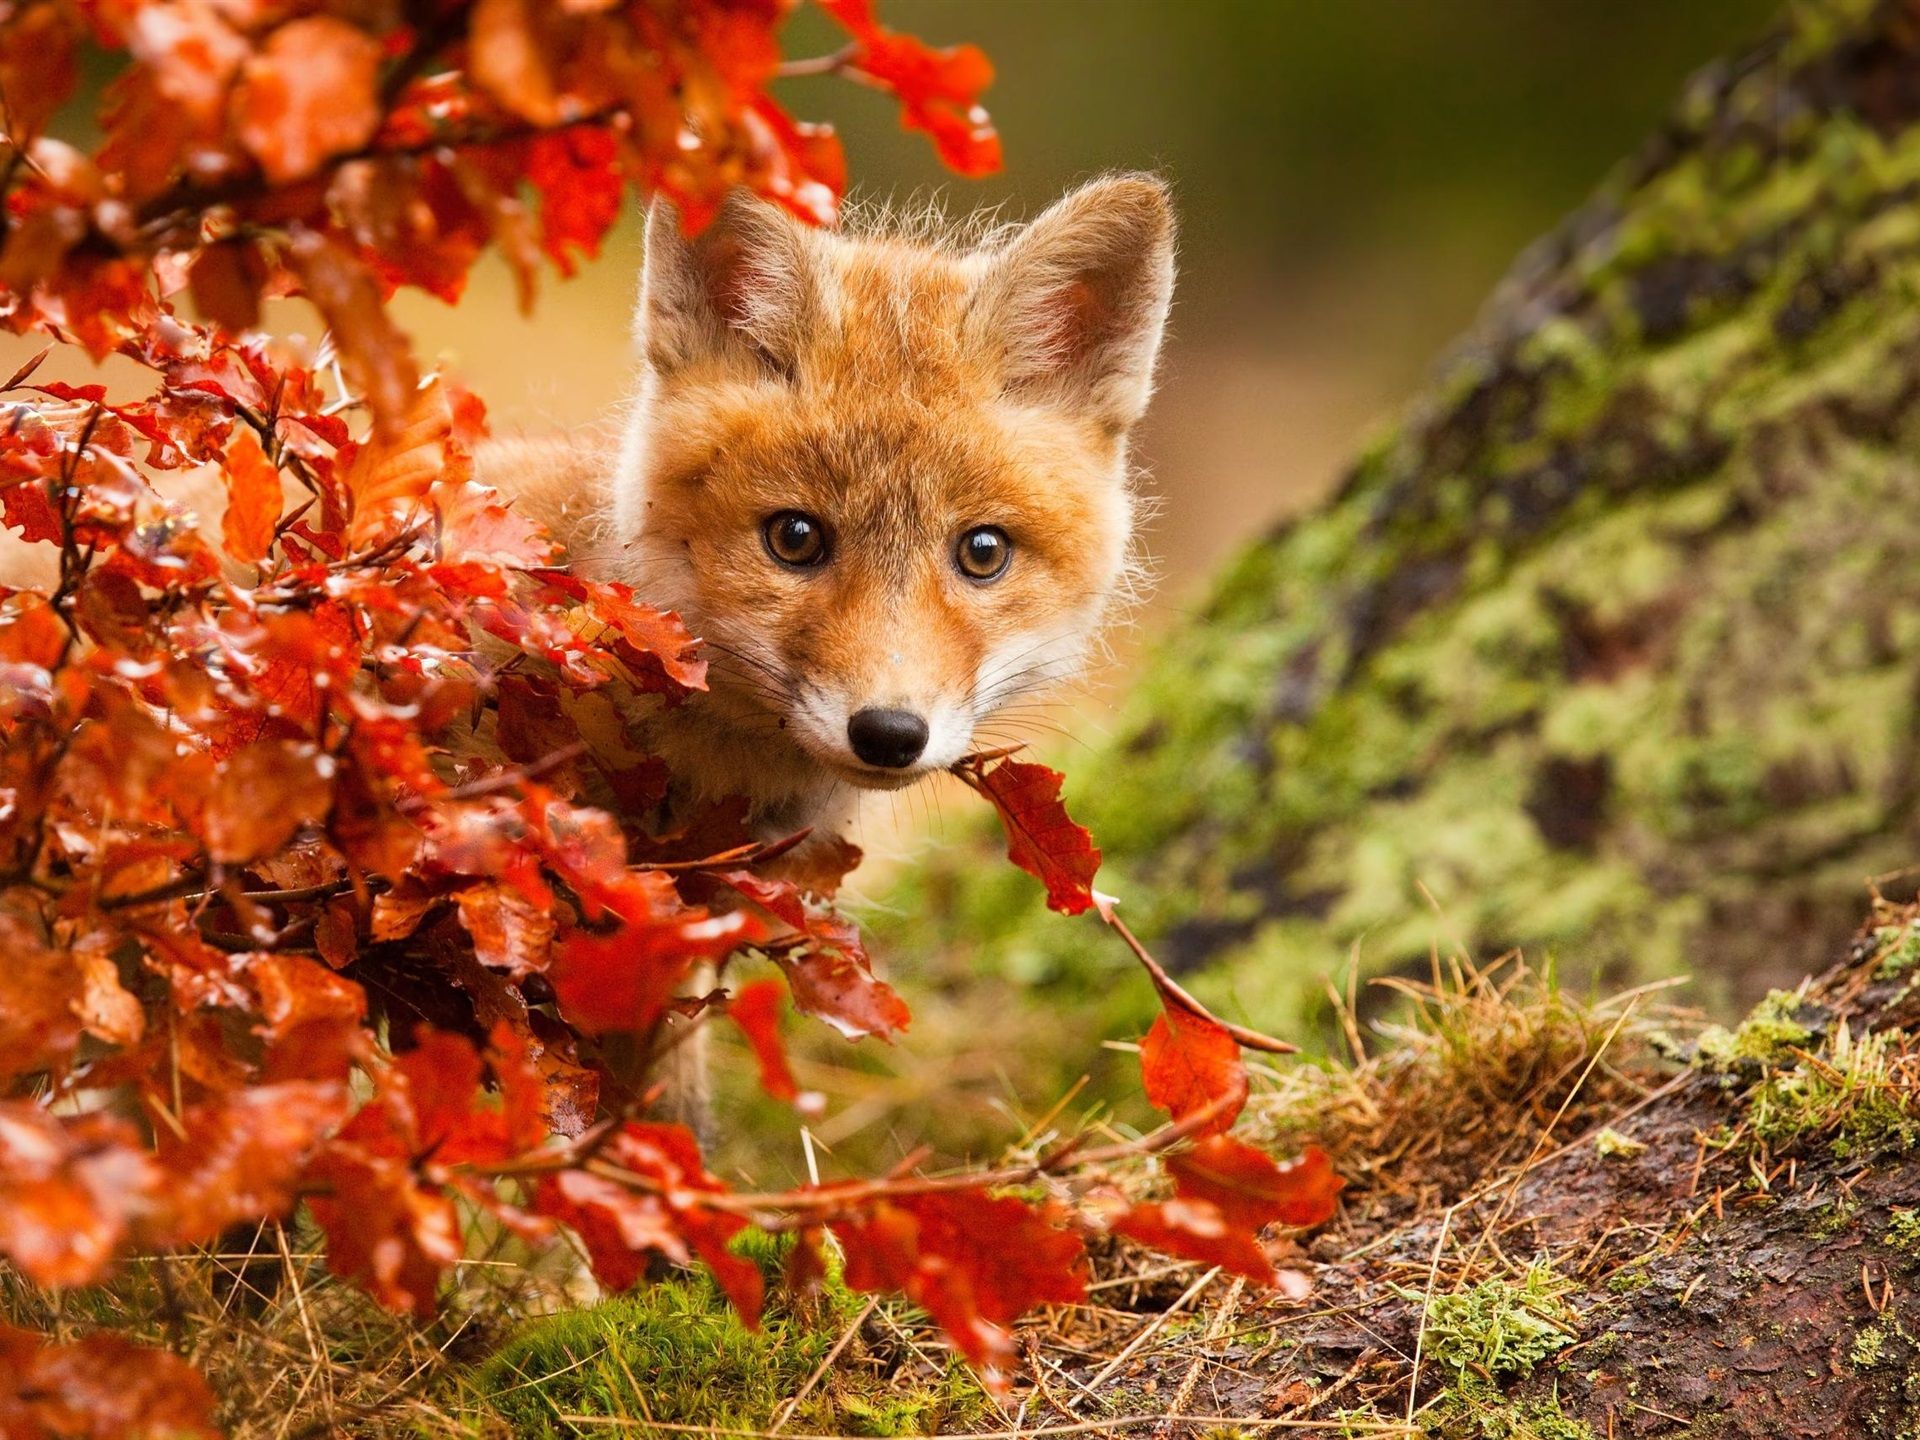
1352 178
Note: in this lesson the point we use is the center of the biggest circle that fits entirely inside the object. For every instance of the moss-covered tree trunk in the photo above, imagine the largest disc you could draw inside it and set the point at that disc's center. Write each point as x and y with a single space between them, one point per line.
1611 645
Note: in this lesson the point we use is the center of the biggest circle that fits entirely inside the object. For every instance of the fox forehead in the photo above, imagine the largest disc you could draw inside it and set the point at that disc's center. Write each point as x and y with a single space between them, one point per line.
887 425
884 465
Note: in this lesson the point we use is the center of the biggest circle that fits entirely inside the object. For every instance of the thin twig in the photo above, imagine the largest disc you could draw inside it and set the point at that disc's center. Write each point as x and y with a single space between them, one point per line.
1216 1327
786 1413
1171 989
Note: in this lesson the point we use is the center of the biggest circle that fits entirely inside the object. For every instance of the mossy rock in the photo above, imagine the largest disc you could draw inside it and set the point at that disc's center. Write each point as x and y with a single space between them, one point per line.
1611 646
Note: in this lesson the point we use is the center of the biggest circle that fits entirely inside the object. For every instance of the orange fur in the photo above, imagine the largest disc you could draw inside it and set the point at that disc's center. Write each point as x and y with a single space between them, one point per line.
901 391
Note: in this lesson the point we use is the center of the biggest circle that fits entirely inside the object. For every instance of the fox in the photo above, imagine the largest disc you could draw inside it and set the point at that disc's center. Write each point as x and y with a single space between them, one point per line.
882 473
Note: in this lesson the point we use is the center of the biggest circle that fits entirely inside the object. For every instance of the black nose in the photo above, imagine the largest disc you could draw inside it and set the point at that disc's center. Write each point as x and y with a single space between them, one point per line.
893 738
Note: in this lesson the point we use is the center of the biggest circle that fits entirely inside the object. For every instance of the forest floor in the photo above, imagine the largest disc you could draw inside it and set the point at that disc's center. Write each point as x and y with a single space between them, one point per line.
1565 1220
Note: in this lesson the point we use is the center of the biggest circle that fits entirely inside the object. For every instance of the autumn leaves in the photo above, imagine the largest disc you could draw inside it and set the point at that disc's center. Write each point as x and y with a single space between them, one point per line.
244 814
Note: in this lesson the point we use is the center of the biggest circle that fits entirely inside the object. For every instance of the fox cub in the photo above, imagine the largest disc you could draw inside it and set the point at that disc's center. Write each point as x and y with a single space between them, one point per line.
883 477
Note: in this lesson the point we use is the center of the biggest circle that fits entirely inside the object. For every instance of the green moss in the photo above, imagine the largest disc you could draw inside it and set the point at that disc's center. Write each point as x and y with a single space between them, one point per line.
1474 1407
1766 1037
1903 1231
676 1353
1847 1097
1499 1328
1897 950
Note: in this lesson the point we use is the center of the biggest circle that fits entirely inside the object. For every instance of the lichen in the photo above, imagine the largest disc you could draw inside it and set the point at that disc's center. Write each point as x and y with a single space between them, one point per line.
1499 1328
1869 1345
1903 1232
1897 950
1610 1144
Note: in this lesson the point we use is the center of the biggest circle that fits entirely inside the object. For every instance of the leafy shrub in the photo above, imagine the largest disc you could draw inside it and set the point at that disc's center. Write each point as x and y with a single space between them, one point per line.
299 896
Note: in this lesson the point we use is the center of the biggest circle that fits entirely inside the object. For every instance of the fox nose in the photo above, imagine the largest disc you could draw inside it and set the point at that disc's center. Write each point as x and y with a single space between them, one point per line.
889 738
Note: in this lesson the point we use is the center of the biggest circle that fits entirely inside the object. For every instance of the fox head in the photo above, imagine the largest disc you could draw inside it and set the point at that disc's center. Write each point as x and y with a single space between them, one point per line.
885 478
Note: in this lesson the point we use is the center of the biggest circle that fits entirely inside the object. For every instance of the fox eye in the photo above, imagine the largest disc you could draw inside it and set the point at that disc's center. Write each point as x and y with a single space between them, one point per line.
795 539
983 553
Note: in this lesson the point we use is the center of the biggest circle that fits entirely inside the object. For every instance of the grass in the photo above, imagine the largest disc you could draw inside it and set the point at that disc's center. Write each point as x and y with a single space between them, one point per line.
1855 1095
1477 1062
1457 1088
292 1353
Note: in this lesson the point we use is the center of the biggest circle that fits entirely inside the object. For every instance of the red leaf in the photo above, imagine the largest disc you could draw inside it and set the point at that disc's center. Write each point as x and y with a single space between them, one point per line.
510 60
973 1261
27 506
939 89
820 865
620 1226
253 499
39 1002
261 797
625 980
577 175
477 525
70 1192
756 1010
101 1387
385 1230
377 356
831 979
227 281
510 931
654 645
1225 1194
1042 838
1190 1064
1252 1189
840 988
308 95
241 1155
37 72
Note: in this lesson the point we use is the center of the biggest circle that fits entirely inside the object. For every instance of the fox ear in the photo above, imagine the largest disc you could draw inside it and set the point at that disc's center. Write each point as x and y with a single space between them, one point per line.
1076 302
739 291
